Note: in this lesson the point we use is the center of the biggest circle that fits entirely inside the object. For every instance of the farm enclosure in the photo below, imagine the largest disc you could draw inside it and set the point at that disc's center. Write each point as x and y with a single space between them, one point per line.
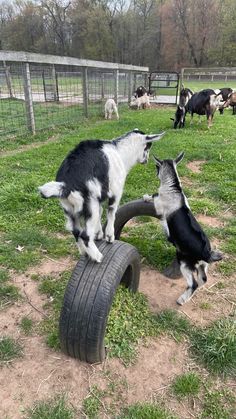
149 344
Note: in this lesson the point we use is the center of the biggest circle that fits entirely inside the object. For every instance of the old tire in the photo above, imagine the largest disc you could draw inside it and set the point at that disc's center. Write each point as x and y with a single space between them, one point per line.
134 209
88 299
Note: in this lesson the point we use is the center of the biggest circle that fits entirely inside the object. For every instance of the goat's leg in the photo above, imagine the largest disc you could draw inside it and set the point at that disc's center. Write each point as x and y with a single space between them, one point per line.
113 203
88 234
191 120
202 274
99 230
191 282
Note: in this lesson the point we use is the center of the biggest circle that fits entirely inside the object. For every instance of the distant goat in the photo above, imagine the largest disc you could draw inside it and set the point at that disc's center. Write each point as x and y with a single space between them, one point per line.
184 97
110 107
193 249
225 93
140 102
91 173
140 91
205 102
232 102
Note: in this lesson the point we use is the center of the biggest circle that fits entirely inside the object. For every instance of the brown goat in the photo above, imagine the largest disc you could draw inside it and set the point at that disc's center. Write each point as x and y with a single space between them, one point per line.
232 102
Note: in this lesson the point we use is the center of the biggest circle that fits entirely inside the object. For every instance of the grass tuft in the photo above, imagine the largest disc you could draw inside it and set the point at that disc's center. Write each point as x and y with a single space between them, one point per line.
52 409
9 349
130 320
218 405
145 411
187 384
169 321
215 346
26 325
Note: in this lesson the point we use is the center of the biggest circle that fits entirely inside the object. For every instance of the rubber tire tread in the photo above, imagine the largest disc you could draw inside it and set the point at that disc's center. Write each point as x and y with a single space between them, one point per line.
88 299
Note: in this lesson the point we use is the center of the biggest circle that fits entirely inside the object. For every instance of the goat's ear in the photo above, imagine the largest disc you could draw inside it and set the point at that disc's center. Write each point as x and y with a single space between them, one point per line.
179 157
157 161
154 137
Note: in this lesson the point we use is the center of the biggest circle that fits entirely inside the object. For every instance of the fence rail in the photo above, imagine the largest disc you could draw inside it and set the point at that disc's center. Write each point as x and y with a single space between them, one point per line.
40 91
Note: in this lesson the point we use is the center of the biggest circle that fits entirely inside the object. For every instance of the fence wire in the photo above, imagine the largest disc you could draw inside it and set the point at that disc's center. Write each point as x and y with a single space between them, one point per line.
58 95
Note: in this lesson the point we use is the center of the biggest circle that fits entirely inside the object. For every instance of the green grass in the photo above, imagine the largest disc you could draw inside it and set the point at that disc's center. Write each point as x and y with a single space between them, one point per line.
186 385
55 408
130 320
26 325
146 411
215 346
218 404
8 294
54 288
9 349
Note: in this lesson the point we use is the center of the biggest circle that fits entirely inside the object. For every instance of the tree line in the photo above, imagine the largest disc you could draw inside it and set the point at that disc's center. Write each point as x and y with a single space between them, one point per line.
161 34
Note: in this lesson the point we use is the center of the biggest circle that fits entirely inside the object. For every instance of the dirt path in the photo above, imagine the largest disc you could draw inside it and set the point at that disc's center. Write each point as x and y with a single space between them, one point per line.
28 147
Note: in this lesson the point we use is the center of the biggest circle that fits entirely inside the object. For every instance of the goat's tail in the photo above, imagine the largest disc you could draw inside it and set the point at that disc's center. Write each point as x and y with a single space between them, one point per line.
52 189
215 256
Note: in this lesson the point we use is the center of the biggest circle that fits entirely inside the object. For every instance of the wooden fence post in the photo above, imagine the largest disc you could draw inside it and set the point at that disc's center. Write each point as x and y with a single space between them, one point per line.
28 98
8 78
116 85
85 91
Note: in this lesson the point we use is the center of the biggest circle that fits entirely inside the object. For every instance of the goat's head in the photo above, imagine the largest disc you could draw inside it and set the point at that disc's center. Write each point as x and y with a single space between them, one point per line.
166 169
140 144
146 144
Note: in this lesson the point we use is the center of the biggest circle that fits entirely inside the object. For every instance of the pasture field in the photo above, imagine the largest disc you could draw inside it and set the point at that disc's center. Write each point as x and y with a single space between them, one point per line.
164 361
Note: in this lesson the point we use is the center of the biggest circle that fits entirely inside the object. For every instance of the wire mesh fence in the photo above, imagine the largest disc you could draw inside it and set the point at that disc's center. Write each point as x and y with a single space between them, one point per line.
38 95
204 78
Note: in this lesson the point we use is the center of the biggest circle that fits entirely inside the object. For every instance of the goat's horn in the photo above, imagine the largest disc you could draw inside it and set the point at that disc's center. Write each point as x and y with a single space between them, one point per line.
154 137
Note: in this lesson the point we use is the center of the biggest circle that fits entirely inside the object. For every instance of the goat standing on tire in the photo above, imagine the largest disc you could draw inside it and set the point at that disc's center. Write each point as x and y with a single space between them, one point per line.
93 172
193 249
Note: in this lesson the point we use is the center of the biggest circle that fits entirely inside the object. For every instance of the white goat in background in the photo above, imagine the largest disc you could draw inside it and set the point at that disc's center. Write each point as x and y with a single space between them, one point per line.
110 107
93 172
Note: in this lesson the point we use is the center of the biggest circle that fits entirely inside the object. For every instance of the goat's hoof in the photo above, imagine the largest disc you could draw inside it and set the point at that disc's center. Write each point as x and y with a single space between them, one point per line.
181 300
110 238
147 198
98 257
99 235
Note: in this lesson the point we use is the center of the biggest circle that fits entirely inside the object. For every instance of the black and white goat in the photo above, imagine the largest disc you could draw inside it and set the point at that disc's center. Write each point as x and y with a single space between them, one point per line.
184 96
91 173
193 249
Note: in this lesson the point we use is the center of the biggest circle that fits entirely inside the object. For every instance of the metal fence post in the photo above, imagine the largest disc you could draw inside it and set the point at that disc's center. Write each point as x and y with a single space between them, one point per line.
55 84
102 85
116 87
28 98
85 91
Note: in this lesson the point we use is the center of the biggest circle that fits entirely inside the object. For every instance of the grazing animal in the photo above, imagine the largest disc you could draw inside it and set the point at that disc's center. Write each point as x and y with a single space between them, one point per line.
91 173
140 102
225 93
140 91
185 95
232 102
204 102
110 107
193 249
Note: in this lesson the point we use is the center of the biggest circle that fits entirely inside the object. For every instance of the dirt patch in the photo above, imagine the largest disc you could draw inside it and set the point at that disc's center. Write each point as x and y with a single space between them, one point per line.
208 304
196 165
210 221
42 373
